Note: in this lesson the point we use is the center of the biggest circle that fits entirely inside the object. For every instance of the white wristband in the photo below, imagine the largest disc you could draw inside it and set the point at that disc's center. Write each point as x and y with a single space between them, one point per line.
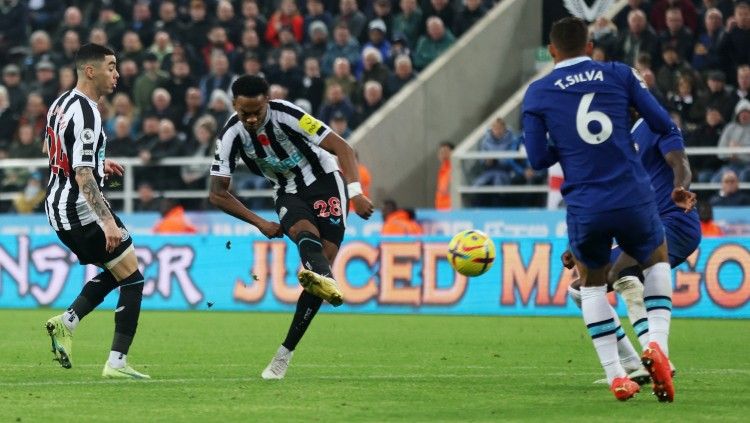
354 188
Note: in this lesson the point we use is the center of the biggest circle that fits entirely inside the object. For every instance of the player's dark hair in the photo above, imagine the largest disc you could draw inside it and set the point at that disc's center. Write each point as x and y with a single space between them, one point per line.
448 144
569 36
249 86
91 53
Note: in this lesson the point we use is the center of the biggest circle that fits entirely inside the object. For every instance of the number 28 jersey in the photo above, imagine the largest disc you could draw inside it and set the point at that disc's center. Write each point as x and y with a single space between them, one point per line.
579 115
74 138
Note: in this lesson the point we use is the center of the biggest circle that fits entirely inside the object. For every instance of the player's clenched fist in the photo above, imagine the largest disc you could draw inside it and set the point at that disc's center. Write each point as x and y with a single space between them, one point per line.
362 206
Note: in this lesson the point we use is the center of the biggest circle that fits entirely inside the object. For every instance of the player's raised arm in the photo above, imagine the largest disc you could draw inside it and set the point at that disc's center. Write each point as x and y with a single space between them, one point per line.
336 145
673 151
540 153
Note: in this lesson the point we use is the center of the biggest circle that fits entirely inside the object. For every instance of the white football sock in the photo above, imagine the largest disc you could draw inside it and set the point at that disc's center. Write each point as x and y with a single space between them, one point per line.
629 358
117 360
630 289
70 319
600 321
657 297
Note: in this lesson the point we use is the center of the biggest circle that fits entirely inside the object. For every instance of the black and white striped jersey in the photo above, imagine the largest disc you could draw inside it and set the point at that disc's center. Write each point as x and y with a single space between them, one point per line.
286 149
74 139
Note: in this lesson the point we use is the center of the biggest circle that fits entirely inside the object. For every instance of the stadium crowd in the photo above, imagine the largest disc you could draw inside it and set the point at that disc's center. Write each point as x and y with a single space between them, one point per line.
338 59
694 55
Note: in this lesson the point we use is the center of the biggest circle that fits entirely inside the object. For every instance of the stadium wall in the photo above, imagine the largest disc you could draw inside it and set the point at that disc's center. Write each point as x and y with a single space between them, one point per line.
452 96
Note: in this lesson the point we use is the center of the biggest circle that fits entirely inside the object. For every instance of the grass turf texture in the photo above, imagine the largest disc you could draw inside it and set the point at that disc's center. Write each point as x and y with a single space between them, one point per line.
206 367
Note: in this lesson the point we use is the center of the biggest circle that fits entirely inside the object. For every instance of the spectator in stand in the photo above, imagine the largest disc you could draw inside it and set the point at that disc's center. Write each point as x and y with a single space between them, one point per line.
162 46
146 139
122 107
737 134
192 111
147 200
218 42
372 99
316 12
286 15
201 144
382 10
409 21
150 79
340 125
251 65
677 35
31 199
743 85
717 96
13 21
142 22
343 45
287 73
599 54
471 12
350 15
622 18
120 143
72 21
342 75
168 20
706 54
250 46
734 47
650 79
71 42
45 83
8 120
443 190
132 48
399 222
128 75
41 50
638 39
706 135
98 36
683 100
166 146
730 195
377 38
442 9
399 47
318 40
17 89
726 7
373 69
498 171
278 92
112 24
180 80
432 45
66 78
709 228
35 113
226 17
402 75
28 144
604 36
313 85
161 105
220 106
220 78
286 42
660 10
199 24
336 101
252 17
673 67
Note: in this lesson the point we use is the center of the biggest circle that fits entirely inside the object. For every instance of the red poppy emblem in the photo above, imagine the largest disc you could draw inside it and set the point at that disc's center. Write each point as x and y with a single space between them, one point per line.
263 139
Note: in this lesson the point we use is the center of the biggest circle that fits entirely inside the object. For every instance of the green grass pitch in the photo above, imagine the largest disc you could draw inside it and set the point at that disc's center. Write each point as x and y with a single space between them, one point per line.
206 367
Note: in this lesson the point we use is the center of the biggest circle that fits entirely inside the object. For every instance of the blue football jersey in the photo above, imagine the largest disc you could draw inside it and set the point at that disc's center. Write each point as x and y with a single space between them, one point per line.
579 115
652 148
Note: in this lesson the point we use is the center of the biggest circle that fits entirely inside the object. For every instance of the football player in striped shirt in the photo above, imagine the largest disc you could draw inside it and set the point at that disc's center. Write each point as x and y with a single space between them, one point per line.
298 154
83 219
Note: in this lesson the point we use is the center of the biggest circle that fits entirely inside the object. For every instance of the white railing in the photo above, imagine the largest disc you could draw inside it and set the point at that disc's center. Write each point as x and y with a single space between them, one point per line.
128 192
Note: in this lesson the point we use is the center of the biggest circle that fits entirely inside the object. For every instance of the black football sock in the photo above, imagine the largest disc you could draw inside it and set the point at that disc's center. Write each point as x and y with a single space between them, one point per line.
311 253
307 306
91 296
127 312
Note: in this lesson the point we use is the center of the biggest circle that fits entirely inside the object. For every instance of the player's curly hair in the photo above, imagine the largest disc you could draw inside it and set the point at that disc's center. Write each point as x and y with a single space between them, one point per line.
249 86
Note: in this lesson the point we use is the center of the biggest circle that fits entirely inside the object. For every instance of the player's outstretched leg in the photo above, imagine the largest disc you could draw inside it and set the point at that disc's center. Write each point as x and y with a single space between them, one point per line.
126 321
60 328
658 301
317 278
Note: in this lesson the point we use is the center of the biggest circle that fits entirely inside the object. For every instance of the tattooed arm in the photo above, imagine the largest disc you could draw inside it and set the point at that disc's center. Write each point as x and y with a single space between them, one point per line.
90 190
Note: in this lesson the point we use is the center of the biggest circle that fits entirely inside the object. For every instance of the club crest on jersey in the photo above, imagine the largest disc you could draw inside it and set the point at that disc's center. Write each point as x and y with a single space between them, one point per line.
309 124
87 136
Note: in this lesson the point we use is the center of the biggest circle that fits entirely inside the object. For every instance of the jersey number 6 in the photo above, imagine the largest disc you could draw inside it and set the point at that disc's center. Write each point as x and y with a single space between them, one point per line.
584 116
58 160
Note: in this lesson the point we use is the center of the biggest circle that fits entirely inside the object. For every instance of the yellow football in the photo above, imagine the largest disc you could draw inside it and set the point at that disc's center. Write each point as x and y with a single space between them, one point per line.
471 252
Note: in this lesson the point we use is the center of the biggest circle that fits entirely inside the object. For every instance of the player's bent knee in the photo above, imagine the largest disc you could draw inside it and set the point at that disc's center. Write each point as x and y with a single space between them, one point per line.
300 227
124 265
135 280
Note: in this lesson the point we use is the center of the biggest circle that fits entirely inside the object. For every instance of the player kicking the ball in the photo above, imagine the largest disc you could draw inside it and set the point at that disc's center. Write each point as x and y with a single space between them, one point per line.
82 218
666 163
578 116
295 152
